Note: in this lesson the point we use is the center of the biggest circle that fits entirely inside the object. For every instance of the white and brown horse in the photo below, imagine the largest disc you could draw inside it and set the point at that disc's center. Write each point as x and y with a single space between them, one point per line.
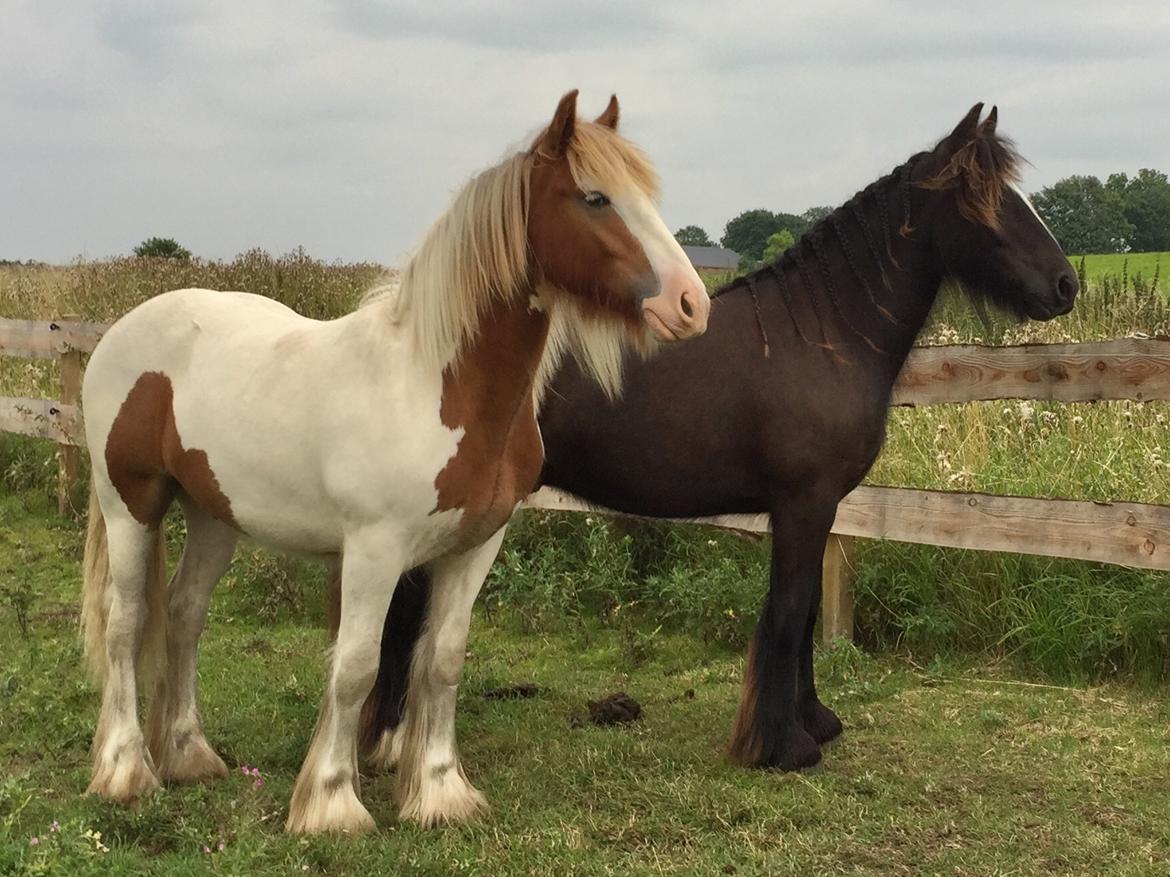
399 435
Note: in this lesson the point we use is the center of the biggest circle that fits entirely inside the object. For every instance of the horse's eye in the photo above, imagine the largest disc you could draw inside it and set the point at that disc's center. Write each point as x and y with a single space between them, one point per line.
596 199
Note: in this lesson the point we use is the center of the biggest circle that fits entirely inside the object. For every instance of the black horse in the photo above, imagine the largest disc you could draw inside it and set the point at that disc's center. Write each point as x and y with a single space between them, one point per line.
781 407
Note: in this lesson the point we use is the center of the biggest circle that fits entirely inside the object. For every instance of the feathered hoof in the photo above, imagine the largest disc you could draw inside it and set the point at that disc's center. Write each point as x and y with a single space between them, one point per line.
190 761
327 808
125 778
822 724
384 756
445 798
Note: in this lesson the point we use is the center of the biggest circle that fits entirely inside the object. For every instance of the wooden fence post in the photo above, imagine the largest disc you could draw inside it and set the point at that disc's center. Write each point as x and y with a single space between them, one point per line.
837 589
68 455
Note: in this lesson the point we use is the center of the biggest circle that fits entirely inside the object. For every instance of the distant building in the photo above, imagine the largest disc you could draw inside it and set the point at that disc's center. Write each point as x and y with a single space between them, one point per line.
714 260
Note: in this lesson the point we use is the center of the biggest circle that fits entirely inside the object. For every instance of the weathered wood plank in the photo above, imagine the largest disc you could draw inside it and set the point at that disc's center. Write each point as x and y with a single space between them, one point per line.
1123 533
45 339
1128 368
42 418
68 454
837 589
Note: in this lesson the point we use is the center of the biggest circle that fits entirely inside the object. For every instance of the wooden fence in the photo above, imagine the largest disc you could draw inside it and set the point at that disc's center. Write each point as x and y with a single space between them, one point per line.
64 340
1129 534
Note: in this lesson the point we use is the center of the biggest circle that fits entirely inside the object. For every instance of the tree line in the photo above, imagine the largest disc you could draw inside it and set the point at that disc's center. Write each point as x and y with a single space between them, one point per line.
1121 215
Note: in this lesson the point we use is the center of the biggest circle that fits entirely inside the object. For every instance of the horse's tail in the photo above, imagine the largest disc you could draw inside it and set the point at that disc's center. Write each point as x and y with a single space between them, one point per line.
96 597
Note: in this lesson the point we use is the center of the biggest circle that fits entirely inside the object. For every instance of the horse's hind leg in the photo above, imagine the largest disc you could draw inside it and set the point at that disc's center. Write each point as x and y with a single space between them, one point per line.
325 798
174 730
432 787
382 726
122 769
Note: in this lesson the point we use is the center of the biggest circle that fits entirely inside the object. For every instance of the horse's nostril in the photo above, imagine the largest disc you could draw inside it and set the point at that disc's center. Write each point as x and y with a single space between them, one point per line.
1066 287
687 307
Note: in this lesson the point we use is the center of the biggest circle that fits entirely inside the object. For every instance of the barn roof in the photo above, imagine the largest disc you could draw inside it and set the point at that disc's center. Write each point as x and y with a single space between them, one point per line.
713 257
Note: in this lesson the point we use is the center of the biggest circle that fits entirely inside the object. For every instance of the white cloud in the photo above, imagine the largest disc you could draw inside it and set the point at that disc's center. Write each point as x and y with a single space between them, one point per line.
345 126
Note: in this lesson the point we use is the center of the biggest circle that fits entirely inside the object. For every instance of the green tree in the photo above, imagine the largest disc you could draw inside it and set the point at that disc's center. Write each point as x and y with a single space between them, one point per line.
1085 215
693 236
777 244
1146 204
161 248
815 214
798 225
748 233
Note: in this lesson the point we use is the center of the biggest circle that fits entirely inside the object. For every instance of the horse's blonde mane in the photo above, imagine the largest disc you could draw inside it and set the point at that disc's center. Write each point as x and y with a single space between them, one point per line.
477 253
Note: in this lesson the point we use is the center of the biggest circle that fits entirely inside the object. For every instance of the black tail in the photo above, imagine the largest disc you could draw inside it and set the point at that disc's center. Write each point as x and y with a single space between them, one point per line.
382 710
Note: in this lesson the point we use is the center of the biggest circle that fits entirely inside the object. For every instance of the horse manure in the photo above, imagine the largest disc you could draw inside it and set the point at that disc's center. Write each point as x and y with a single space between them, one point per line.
520 691
616 709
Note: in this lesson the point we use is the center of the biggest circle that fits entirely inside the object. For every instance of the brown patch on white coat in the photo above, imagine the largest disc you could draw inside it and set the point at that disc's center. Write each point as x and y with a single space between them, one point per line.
147 462
489 394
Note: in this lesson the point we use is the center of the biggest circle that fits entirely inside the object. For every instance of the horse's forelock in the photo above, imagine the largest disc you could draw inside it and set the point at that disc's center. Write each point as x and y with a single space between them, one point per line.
599 156
979 171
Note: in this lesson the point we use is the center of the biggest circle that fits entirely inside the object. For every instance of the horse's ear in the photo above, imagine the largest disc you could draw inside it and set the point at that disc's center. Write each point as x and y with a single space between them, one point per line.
554 142
609 116
966 130
987 128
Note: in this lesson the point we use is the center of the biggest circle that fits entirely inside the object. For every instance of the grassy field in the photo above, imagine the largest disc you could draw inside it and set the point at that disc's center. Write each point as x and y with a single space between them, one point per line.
956 767
1073 621
1005 714
1141 265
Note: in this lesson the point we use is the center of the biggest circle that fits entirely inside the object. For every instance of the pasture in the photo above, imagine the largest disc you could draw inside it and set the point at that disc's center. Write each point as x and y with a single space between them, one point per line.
1004 715
1131 265
958 766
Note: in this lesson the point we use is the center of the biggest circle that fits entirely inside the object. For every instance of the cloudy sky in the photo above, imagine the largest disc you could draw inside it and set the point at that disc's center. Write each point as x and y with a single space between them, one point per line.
345 126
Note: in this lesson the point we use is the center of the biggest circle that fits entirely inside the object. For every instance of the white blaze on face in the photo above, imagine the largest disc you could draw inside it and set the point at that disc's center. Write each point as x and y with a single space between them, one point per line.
667 260
1028 201
664 253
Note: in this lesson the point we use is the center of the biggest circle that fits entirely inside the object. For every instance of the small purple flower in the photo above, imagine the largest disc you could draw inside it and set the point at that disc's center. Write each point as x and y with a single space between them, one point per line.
221 846
56 826
245 770
34 841
258 783
206 848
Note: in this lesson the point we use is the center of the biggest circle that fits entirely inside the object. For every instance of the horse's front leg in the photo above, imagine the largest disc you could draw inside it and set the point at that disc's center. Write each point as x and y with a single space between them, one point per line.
820 721
432 787
325 798
770 727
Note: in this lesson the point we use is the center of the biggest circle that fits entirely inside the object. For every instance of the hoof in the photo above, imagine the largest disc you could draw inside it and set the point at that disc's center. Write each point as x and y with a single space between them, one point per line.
124 778
442 797
822 723
189 760
790 750
384 756
327 808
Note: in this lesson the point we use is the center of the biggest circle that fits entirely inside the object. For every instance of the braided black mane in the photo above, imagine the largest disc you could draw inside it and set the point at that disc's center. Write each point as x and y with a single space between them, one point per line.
794 268
833 222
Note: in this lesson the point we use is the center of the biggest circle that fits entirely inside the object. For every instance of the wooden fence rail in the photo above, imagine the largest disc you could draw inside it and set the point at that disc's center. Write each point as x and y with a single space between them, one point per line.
64 340
1129 534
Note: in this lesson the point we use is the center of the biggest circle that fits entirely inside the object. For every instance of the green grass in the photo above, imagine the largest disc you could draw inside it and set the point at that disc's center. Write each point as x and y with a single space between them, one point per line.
956 767
1132 265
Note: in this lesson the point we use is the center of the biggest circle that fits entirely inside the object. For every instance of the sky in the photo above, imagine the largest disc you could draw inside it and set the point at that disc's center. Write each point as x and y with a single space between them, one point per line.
346 126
